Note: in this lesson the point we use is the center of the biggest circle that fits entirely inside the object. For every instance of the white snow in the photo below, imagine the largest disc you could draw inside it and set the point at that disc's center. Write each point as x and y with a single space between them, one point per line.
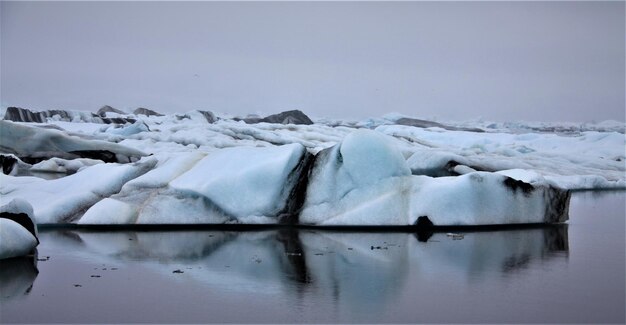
59 165
527 176
63 199
475 199
128 130
599 155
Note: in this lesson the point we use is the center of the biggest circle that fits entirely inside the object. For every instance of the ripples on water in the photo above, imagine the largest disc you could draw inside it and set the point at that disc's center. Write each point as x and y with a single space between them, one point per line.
565 273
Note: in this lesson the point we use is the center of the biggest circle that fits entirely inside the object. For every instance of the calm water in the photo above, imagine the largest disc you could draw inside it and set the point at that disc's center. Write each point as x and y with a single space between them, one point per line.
565 274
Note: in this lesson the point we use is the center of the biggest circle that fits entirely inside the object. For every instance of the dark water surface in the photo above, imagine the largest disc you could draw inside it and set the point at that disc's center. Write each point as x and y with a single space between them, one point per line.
567 274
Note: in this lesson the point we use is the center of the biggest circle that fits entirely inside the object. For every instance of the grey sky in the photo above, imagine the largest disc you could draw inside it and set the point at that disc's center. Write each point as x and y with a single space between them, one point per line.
451 60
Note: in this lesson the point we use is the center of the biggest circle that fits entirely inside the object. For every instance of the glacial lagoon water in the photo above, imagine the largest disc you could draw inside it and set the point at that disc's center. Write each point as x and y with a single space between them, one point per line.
573 273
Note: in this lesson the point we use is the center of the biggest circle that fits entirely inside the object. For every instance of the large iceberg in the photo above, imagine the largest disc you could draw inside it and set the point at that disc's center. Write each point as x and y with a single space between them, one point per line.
364 180
207 168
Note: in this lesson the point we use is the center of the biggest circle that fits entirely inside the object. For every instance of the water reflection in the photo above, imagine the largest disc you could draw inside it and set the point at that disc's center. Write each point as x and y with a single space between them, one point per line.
482 254
17 276
354 268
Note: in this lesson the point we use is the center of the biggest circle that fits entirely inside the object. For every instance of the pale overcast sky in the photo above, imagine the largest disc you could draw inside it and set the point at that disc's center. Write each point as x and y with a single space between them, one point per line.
549 61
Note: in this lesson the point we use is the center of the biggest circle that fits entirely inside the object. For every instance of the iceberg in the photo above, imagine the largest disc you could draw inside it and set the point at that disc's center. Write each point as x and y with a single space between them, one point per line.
33 144
18 114
18 229
206 168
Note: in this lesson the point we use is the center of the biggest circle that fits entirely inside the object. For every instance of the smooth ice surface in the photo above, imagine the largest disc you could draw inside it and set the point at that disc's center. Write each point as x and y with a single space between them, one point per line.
109 211
385 203
348 183
167 170
15 240
244 181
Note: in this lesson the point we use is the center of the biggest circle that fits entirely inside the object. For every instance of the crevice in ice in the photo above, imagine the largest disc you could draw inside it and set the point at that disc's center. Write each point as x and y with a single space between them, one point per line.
104 155
515 185
299 176
8 163
23 220
558 208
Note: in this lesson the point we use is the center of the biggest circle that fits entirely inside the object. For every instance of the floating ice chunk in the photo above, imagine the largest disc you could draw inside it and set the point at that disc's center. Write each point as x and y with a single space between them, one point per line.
15 240
245 181
18 230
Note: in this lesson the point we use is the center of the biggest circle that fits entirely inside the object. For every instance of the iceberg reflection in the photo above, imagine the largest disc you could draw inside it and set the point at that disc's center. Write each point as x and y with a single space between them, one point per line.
17 276
351 270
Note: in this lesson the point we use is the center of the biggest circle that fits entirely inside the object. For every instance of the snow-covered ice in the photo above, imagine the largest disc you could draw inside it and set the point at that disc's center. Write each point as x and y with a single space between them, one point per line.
65 199
41 143
213 168
18 229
